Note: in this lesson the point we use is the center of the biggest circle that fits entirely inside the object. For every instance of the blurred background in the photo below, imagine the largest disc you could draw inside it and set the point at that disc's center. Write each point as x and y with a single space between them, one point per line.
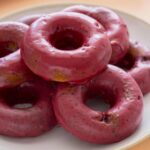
139 8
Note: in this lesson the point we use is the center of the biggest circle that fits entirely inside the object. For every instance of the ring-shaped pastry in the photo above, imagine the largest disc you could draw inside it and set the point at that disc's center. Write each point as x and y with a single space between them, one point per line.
12 69
123 117
115 27
66 47
137 63
26 110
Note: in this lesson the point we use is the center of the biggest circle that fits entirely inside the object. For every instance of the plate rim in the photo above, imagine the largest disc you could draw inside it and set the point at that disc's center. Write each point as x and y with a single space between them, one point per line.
71 3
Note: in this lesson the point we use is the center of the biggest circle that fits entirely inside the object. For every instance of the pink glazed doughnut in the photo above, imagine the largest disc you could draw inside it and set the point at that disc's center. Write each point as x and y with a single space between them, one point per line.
137 63
66 47
115 27
119 89
26 110
12 69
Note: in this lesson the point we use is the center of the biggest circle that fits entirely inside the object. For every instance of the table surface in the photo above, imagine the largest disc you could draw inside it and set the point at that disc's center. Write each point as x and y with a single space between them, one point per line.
138 8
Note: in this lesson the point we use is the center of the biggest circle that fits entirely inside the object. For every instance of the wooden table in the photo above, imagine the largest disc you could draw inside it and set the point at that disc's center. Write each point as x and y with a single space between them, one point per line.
138 8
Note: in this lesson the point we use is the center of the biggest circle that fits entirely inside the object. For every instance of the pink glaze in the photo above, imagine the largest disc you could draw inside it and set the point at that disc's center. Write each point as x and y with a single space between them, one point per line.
30 19
115 27
121 120
26 121
66 47
12 69
137 63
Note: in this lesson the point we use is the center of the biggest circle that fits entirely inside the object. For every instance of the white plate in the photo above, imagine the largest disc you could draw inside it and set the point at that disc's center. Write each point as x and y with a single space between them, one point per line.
58 139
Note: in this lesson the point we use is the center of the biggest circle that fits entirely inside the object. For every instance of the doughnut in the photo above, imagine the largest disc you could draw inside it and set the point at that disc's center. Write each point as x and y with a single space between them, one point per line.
114 25
26 110
137 63
56 48
123 117
12 69
30 19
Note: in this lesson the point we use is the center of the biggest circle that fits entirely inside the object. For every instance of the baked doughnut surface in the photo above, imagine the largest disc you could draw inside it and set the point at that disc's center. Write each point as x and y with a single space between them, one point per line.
26 110
114 25
66 47
124 116
12 69
137 63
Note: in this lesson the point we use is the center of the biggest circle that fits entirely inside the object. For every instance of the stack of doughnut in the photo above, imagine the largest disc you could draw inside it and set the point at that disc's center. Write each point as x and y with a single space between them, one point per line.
51 64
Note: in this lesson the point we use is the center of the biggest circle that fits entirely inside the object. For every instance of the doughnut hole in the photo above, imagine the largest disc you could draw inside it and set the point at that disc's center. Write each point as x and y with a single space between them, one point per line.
145 59
7 48
97 102
66 39
128 62
21 97
100 100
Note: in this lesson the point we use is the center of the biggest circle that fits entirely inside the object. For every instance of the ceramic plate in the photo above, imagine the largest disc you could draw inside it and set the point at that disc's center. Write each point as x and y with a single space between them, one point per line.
58 139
